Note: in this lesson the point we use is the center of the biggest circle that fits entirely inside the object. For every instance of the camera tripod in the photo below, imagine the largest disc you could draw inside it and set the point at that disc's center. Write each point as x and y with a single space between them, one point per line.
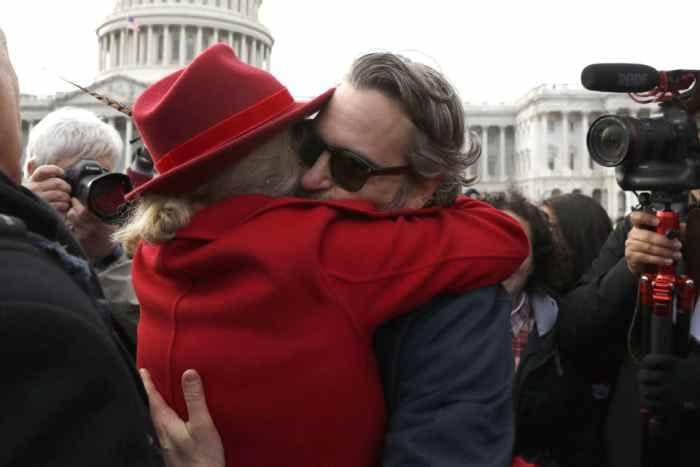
666 301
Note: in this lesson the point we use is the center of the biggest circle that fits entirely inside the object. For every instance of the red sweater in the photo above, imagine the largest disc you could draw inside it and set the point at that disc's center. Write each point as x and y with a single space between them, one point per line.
275 301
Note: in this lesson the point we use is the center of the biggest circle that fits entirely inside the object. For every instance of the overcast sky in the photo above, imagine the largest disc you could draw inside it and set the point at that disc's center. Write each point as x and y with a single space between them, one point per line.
492 50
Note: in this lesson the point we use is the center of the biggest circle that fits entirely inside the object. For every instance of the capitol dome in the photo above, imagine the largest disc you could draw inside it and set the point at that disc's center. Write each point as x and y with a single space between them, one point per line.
146 39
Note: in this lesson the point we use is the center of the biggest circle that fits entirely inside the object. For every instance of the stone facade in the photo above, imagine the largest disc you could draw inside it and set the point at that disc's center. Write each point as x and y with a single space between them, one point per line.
538 145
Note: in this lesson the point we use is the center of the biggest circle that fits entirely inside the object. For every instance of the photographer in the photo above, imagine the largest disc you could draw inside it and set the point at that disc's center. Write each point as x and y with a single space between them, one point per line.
61 140
600 310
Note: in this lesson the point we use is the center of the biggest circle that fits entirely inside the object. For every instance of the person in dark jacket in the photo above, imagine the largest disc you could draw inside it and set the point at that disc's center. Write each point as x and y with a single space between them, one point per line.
554 425
602 310
68 393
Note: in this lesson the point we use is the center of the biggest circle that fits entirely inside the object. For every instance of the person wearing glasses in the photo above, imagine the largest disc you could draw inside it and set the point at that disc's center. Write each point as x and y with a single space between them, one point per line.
274 300
443 408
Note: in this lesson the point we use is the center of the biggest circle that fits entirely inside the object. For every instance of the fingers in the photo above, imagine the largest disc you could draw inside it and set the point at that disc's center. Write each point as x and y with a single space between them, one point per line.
45 172
195 400
154 398
641 219
644 247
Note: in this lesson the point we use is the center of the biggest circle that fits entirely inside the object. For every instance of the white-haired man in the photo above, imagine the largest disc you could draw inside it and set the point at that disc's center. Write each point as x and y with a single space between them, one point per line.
59 141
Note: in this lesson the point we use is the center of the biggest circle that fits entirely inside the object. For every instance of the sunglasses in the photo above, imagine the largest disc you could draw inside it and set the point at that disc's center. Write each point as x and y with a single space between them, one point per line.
350 171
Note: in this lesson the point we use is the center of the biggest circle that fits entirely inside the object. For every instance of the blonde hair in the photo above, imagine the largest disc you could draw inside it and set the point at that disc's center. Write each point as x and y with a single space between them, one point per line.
272 169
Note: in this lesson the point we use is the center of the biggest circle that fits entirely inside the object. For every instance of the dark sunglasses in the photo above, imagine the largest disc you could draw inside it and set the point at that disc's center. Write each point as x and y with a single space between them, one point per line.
349 170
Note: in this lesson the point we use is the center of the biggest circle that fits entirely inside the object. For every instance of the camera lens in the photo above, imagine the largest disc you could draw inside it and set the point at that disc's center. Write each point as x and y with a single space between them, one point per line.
106 196
609 140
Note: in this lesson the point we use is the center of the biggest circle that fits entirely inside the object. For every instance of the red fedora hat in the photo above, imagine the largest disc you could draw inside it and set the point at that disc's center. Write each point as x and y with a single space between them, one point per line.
208 115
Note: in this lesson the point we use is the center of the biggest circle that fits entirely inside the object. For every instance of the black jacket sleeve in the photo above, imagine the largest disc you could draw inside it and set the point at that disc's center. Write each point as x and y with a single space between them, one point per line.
595 315
67 396
448 372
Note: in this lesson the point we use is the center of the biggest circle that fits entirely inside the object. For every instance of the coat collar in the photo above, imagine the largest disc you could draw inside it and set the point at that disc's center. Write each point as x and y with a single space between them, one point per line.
546 311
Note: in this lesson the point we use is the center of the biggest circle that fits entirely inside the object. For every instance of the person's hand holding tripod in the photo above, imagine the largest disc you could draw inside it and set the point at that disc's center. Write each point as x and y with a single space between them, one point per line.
645 247
666 382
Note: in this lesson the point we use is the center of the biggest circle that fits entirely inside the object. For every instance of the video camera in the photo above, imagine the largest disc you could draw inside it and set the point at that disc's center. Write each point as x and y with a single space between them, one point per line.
658 154
101 191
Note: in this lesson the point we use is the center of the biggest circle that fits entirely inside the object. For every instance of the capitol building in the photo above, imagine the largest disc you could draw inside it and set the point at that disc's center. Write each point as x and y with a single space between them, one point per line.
536 145
143 41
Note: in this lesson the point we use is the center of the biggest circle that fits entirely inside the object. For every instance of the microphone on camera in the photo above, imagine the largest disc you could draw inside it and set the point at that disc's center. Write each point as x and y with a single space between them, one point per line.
619 77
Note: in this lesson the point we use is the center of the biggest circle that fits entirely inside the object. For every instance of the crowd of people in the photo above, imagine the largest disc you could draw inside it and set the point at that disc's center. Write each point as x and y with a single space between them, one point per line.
305 284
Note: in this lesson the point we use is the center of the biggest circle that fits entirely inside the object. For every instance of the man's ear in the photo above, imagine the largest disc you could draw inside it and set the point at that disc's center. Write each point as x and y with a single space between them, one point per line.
31 167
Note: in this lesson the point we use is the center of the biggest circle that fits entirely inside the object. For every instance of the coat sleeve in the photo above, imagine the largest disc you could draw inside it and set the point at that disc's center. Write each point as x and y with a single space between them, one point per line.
388 266
596 314
449 382
67 397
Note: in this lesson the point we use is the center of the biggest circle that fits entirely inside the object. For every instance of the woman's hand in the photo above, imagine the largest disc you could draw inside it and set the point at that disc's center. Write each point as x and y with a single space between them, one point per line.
194 443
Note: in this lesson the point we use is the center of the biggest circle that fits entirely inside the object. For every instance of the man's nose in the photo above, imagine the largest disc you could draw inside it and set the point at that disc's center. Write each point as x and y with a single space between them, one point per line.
318 177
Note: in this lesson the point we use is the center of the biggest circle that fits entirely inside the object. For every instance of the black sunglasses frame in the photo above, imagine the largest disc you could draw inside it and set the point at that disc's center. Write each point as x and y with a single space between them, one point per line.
311 146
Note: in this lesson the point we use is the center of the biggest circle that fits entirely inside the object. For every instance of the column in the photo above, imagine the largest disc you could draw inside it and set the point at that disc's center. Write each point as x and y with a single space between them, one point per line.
198 47
244 48
502 155
536 135
230 40
112 50
484 166
565 143
583 159
122 51
150 45
215 36
127 142
183 44
100 54
542 155
134 47
166 45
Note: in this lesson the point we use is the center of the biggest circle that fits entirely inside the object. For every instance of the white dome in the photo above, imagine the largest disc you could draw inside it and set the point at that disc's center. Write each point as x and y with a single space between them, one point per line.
147 39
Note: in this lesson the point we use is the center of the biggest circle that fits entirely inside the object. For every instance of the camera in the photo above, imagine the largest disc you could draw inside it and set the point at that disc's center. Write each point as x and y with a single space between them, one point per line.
141 169
101 191
661 153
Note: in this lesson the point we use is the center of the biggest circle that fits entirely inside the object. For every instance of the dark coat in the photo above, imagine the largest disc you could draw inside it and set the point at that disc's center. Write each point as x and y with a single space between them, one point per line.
68 392
595 320
557 419
447 371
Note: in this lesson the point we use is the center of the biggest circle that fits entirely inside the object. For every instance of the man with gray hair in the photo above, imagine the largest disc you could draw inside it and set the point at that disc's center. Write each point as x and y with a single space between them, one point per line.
57 143
447 367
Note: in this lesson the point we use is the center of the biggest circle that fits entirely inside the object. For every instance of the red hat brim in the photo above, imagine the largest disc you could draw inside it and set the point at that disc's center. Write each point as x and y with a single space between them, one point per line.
201 169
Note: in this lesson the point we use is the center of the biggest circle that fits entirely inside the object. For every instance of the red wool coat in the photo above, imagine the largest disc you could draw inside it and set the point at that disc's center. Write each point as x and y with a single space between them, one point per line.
275 301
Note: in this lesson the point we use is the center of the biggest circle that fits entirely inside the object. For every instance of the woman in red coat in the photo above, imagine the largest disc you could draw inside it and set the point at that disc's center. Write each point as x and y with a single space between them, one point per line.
275 299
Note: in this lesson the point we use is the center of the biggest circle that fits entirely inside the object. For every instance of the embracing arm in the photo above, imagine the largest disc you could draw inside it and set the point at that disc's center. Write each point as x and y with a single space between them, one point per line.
387 265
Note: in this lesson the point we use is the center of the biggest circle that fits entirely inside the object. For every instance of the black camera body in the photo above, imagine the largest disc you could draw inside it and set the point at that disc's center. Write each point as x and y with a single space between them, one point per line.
100 190
658 154
649 154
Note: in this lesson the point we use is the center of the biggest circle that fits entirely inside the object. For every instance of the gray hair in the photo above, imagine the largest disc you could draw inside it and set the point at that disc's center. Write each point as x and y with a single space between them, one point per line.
434 107
69 132
273 169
